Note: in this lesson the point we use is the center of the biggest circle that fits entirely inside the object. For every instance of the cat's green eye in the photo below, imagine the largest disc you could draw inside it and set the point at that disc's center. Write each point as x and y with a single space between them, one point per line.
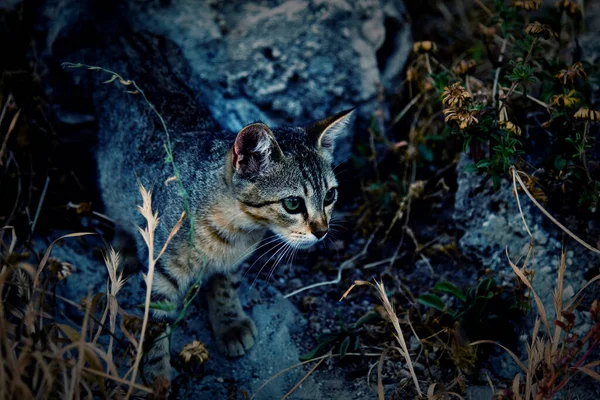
293 205
330 196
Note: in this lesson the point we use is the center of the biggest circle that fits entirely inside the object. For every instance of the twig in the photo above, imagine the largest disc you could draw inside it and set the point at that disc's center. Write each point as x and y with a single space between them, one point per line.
405 110
39 207
303 379
497 76
320 358
10 129
484 8
346 264
516 173
541 103
97 214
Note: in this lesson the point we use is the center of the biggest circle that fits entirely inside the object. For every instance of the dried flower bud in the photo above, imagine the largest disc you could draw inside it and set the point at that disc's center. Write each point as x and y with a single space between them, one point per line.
463 117
60 269
455 95
464 67
193 356
536 29
586 113
426 46
528 5
569 6
512 128
564 100
573 72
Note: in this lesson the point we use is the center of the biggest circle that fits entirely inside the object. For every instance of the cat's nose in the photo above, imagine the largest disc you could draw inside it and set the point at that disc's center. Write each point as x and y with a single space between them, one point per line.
320 233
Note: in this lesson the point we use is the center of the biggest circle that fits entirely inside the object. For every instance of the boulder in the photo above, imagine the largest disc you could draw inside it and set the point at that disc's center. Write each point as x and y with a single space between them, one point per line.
283 62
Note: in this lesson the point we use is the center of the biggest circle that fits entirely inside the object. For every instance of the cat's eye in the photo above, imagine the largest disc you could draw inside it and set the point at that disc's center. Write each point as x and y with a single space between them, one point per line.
293 205
330 196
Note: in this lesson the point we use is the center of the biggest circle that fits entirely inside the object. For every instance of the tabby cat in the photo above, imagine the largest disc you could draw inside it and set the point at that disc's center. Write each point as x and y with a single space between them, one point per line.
239 187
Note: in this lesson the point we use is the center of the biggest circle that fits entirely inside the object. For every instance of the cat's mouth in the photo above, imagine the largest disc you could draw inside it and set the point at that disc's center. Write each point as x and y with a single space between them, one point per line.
298 240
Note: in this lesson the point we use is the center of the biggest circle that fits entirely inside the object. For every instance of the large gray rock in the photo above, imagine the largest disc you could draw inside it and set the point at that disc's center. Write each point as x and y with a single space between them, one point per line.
279 61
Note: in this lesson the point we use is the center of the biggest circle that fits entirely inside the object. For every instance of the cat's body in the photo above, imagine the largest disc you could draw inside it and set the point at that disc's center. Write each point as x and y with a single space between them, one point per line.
239 186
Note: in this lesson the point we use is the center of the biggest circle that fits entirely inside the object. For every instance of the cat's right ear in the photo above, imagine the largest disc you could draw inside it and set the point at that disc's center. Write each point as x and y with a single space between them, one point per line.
254 150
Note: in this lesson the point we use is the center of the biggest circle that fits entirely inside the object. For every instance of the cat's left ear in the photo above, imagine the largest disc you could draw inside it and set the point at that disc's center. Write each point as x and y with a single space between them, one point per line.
325 131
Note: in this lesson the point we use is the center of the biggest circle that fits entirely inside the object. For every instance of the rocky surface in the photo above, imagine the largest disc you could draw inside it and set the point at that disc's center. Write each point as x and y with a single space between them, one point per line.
278 345
282 62
493 226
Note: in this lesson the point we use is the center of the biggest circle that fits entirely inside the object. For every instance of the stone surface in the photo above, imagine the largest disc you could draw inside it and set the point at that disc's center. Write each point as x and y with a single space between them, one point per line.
492 226
279 61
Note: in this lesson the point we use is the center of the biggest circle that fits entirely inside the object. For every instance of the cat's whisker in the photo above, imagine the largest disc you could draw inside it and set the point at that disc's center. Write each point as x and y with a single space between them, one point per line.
251 249
278 245
288 249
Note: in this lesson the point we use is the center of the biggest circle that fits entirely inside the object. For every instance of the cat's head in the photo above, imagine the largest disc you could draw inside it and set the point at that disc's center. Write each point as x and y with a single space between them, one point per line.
284 180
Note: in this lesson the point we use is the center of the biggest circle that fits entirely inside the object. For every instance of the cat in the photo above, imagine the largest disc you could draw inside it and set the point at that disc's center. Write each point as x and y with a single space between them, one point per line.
239 186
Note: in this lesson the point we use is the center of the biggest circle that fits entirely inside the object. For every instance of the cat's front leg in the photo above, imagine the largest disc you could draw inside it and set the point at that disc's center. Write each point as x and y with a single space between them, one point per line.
234 330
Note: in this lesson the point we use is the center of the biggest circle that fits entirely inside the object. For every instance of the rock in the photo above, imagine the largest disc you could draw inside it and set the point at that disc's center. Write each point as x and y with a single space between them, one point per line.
479 393
492 224
280 61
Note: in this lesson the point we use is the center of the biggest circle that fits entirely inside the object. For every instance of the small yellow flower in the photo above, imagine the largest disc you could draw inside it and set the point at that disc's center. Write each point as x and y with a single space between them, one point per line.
62 270
536 29
426 46
464 67
586 113
455 95
564 100
569 6
462 116
573 72
529 5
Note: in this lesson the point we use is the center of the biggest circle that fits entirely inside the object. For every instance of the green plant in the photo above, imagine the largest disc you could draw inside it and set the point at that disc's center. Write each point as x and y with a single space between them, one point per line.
347 338
483 310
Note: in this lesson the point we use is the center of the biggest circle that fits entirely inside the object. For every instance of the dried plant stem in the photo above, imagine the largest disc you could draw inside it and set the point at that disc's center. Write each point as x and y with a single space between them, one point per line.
346 264
497 76
289 393
148 235
320 358
516 174
39 207
391 313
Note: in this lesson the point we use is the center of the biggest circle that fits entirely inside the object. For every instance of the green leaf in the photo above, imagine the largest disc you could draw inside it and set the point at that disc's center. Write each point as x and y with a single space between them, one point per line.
366 318
344 347
426 152
432 300
447 287
164 305
486 285
317 350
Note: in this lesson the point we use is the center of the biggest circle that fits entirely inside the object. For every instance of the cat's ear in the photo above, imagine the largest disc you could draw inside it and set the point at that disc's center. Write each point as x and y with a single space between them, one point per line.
255 148
325 131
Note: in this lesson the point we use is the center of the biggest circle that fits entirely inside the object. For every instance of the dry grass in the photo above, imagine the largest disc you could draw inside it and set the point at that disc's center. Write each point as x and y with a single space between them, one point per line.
43 356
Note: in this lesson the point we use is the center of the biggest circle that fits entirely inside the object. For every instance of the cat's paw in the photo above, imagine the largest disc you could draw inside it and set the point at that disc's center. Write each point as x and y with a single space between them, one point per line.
235 339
